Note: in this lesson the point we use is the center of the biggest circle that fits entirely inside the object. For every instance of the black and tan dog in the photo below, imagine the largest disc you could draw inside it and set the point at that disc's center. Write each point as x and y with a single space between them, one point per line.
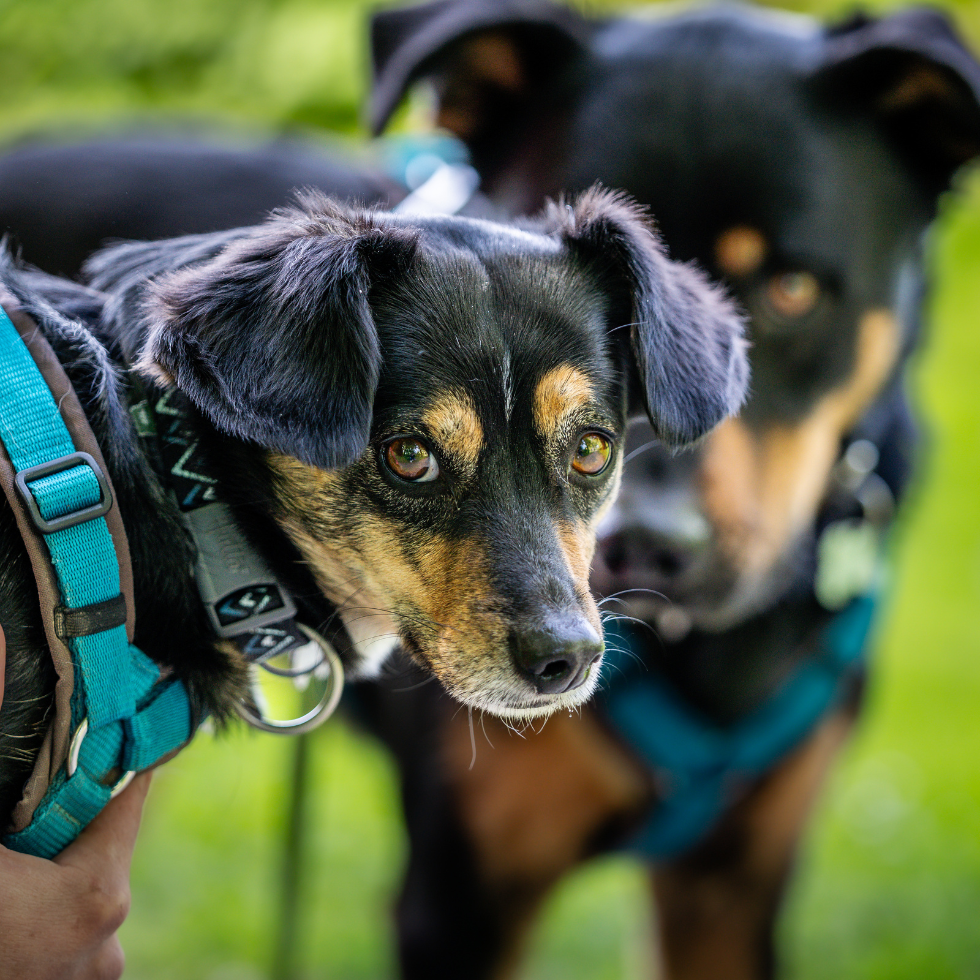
62 199
417 422
803 166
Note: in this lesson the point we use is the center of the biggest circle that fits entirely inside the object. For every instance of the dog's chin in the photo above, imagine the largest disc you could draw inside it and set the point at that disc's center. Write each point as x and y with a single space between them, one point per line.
506 697
516 705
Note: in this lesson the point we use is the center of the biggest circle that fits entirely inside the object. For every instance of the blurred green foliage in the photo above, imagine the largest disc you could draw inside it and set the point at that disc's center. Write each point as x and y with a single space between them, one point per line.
279 64
890 883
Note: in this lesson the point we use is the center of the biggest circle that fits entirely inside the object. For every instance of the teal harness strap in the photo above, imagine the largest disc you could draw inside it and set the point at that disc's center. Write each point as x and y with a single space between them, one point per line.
117 689
701 767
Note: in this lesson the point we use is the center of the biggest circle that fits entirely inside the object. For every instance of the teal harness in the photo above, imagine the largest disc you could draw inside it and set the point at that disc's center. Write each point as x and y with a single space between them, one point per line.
700 767
124 716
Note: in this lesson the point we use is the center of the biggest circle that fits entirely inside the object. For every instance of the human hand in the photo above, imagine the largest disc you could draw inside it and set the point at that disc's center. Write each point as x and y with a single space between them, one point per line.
58 919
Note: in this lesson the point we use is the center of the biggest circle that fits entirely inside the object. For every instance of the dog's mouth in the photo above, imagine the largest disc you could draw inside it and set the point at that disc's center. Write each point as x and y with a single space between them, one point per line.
497 690
522 708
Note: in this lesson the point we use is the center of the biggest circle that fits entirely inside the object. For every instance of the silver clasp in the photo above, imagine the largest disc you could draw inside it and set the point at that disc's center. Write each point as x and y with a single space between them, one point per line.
328 664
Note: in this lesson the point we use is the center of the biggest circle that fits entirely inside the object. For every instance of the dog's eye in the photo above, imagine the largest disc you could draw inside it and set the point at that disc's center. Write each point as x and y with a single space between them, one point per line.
410 459
592 454
793 294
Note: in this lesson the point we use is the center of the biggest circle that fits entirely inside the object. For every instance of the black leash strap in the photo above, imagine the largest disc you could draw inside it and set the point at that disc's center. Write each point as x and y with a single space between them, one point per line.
245 602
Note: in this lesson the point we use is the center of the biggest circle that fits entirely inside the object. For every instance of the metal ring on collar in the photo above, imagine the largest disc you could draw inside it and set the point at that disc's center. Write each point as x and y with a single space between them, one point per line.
318 715
72 764
292 671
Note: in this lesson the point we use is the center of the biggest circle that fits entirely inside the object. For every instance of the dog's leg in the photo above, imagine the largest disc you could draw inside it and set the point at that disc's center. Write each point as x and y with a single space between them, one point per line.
717 906
490 841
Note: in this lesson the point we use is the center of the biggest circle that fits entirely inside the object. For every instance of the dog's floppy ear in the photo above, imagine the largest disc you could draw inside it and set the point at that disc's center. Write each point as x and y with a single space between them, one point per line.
916 78
273 339
486 56
685 337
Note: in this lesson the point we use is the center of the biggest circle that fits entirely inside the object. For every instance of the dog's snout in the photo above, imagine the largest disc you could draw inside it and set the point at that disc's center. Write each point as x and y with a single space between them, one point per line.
556 660
665 555
646 552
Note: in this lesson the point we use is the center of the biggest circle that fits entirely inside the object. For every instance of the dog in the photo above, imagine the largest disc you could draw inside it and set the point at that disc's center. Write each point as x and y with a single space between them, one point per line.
61 200
802 166
417 422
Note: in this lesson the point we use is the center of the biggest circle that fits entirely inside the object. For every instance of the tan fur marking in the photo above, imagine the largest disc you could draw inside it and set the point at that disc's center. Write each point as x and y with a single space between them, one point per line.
493 58
156 372
577 543
761 490
740 251
611 493
348 574
562 390
487 60
364 569
455 593
454 424
532 805
917 87
715 917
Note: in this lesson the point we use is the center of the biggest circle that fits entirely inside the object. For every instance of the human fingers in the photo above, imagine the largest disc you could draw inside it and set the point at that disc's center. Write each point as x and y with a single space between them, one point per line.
107 843
105 963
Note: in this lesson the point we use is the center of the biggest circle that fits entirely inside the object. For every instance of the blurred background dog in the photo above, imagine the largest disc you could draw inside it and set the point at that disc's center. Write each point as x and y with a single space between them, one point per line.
888 817
803 167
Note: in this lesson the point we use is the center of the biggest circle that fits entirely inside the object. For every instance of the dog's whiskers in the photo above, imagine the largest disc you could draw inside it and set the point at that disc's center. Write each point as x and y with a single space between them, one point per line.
641 449
416 686
483 725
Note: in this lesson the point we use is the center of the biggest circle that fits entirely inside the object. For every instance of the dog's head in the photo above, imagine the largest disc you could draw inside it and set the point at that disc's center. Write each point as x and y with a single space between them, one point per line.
438 406
801 165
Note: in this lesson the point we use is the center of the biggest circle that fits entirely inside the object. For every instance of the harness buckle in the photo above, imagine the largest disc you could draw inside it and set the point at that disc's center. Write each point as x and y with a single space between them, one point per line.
72 518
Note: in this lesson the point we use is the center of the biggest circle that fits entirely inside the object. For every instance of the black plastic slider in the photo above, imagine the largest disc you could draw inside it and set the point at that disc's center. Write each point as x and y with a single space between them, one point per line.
86 620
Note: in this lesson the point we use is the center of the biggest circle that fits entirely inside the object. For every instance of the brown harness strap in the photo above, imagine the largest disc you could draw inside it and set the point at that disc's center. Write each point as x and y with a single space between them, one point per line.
54 750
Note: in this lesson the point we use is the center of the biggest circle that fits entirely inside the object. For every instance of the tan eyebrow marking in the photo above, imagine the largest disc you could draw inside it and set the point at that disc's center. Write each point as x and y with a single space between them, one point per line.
562 390
740 250
455 425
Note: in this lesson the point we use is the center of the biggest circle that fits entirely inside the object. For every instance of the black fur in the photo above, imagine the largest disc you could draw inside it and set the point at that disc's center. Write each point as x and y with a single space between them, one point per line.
62 199
707 376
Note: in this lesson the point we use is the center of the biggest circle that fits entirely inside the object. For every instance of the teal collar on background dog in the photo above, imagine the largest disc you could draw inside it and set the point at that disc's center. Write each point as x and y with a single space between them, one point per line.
124 716
701 767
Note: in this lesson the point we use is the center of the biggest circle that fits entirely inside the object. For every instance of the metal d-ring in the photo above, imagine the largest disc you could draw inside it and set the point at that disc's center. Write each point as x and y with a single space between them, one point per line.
323 710
124 780
293 671
72 764
76 746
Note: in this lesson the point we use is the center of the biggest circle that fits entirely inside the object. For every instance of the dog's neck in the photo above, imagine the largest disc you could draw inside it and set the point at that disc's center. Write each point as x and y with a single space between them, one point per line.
187 456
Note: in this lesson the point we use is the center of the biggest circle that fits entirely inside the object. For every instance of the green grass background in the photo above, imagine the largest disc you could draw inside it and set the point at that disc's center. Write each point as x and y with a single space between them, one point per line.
889 887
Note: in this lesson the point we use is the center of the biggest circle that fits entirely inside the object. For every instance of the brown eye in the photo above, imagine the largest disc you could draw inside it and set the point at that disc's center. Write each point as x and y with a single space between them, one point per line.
793 294
410 459
592 454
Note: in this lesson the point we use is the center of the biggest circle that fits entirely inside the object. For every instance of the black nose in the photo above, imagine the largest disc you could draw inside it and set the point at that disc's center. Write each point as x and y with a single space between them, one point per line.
557 659
644 552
